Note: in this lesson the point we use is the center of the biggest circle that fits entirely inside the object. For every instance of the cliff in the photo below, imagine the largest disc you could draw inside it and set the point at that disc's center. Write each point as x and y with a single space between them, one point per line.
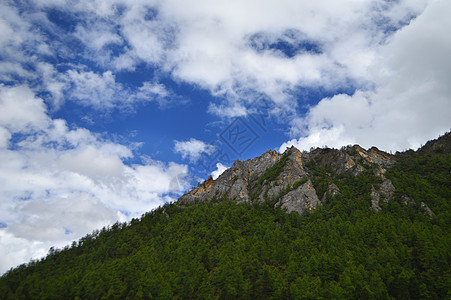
287 180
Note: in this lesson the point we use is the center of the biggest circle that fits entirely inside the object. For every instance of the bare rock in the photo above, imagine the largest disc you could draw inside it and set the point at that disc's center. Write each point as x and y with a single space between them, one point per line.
246 181
332 189
286 179
426 210
301 199
375 199
386 191
406 200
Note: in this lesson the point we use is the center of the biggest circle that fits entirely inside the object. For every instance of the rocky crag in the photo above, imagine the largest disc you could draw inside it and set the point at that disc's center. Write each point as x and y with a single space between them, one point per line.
287 180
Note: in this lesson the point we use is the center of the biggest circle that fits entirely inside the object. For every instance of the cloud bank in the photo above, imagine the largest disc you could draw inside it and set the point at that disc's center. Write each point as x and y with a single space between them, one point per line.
410 102
58 183
389 54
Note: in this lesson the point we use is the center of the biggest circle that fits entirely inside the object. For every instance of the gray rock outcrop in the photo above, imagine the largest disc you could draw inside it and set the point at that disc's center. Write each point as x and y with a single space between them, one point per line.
286 180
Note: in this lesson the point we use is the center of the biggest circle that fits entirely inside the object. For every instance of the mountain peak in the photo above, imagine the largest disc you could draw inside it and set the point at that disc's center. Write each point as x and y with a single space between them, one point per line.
286 180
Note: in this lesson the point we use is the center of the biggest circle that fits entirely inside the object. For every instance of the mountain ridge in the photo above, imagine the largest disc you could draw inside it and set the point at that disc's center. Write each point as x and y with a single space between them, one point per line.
287 178
380 230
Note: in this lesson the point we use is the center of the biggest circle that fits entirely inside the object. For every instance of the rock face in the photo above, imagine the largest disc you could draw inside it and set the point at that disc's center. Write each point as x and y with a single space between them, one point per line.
235 182
301 199
385 192
280 178
286 180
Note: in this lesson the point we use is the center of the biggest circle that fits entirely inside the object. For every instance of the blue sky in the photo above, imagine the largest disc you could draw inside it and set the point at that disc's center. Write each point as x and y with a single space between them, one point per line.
109 109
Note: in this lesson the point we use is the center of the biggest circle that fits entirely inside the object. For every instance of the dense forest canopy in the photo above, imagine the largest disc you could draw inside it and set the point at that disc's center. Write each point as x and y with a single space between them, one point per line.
223 250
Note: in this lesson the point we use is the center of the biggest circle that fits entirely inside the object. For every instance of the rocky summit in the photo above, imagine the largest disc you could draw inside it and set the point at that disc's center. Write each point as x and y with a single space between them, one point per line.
286 180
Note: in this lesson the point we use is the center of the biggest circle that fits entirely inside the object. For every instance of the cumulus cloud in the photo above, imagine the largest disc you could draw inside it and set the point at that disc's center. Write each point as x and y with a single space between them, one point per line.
98 90
15 251
220 168
229 49
157 92
5 136
28 38
228 110
410 102
58 183
193 149
97 37
21 110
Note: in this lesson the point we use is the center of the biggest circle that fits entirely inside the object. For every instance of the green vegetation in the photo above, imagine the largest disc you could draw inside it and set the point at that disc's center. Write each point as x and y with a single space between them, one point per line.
273 172
425 177
221 250
300 182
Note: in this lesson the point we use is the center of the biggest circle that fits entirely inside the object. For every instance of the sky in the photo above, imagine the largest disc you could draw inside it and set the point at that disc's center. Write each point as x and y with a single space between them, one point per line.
109 109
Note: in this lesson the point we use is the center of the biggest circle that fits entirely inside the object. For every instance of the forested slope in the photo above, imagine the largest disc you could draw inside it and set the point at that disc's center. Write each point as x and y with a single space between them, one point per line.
219 249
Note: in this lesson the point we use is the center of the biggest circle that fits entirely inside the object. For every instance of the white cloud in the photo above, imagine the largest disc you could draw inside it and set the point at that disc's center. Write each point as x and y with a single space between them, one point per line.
146 44
10 69
53 82
213 48
225 47
17 251
103 92
57 183
97 36
5 32
151 91
58 218
228 110
220 168
5 135
97 90
21 110
92 162
410 103
17 38
193 149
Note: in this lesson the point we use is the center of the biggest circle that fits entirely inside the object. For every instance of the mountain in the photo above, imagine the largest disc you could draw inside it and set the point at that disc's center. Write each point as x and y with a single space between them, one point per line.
287 179
329 223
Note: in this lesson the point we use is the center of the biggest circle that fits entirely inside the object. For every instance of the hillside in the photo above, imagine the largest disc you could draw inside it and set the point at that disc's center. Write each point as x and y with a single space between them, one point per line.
348 223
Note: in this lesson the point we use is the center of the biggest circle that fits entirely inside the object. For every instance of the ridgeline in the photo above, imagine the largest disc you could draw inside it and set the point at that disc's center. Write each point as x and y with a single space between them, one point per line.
335 224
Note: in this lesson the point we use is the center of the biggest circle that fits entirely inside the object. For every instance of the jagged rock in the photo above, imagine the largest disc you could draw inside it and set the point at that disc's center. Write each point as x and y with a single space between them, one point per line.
426 209
301 199
423 206
332 189
234 182
240 182
353 159
386 191
358 170
339 161
406 200
375 199
293 171
439 145
380 158
290 186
